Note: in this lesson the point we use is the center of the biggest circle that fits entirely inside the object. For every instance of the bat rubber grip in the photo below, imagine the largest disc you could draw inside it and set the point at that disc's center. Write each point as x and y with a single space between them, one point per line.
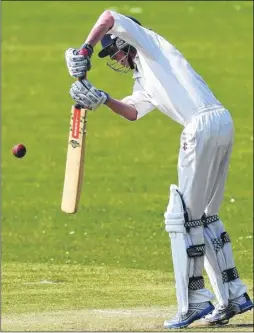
85 53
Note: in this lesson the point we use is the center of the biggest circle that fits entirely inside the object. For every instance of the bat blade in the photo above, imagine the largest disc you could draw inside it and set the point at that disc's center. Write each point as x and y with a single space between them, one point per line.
74 170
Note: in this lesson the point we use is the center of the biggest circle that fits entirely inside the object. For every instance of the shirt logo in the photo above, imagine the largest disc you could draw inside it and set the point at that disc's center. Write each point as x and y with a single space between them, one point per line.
185 146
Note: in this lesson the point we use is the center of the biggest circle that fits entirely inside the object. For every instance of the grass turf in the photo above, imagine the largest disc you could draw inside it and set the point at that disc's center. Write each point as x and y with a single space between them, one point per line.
80 298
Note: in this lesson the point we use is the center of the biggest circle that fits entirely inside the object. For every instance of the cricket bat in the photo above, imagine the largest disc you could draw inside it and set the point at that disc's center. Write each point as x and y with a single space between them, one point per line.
75 160
74 168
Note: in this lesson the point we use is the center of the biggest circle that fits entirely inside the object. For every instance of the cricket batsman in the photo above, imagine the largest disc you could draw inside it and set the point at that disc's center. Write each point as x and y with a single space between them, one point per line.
164 80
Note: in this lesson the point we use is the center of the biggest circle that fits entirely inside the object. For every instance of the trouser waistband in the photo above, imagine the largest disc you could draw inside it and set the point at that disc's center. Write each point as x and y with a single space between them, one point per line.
205 110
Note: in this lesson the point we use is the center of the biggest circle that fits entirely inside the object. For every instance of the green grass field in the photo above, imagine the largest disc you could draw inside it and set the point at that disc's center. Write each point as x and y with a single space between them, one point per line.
108 268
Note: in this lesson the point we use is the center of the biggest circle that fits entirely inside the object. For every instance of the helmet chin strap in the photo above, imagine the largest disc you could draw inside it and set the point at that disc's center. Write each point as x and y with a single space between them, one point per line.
130 61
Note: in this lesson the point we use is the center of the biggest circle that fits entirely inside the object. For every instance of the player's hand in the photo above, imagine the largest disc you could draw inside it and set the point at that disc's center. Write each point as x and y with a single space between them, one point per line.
86 95
78 64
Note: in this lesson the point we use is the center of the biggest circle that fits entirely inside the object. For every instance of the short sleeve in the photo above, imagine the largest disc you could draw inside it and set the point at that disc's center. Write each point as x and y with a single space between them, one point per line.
140 100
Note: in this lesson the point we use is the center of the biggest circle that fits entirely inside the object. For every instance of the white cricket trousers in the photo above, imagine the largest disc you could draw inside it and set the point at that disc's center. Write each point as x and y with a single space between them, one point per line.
206 144
205 149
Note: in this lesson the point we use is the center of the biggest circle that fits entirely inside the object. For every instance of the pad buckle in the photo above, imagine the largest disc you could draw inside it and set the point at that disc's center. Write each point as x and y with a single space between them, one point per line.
218 243
230 274
225 237
196 282
196 251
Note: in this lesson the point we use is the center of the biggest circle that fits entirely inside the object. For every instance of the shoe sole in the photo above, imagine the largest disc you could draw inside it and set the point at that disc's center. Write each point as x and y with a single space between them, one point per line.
247 307
196 317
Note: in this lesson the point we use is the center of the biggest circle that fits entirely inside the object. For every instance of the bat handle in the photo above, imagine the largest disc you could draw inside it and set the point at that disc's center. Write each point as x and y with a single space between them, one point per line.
85 53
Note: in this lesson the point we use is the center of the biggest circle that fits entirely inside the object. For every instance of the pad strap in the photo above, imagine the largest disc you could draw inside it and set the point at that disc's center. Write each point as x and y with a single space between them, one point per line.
230 274
193 223
196 282
218 243
204 221
209 219
196 251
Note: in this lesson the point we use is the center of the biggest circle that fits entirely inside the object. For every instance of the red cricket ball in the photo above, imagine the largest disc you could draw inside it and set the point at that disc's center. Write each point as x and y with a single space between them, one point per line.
19 150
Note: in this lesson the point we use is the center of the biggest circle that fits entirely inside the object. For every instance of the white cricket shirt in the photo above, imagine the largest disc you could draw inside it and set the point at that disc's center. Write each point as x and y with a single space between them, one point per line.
164 79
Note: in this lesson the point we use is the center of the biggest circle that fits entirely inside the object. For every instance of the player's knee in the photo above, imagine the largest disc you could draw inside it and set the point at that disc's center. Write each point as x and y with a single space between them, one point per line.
174 215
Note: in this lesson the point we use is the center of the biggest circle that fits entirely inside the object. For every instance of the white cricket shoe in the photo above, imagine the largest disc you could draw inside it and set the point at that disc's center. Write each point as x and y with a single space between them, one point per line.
195 312
221 315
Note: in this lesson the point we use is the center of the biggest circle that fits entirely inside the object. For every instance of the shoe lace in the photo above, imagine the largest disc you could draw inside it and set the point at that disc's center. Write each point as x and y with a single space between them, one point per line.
177 317
218 308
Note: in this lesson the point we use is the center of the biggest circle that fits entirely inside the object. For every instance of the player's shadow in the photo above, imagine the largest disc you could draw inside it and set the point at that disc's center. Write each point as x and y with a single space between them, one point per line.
238 325
223 328
205 328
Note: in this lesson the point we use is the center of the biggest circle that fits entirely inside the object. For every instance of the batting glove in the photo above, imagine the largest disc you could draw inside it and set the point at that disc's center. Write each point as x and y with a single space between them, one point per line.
86 95
78 64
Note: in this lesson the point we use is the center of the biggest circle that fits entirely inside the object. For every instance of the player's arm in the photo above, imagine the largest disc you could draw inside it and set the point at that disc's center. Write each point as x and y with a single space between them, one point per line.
104 23
123 109
78 64
131 107
112 22
144 40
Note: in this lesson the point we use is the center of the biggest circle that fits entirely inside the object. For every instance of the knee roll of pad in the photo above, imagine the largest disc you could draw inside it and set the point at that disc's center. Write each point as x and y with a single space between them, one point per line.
176 221
174 215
